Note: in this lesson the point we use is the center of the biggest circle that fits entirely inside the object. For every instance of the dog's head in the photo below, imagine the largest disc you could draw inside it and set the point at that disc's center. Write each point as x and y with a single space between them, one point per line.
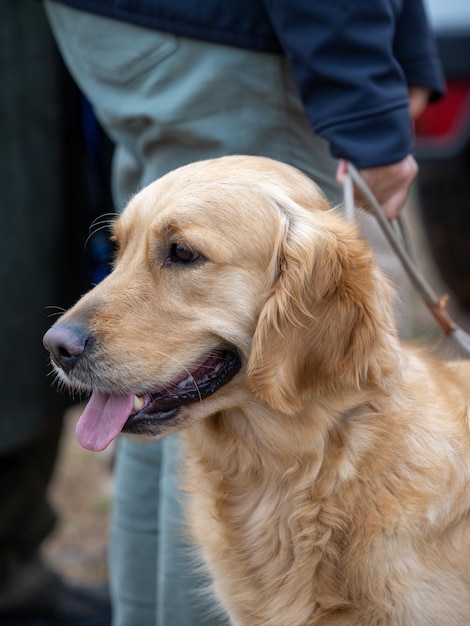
233 277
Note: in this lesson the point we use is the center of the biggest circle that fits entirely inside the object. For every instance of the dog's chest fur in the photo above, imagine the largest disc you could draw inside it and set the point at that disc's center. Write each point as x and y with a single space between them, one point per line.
282 547
270 532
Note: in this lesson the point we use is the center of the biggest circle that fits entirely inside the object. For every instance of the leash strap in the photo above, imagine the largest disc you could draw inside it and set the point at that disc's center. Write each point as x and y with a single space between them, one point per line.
397 235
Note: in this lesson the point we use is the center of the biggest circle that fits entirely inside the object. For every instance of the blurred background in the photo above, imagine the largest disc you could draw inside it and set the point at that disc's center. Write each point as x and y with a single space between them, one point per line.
54 182
443 151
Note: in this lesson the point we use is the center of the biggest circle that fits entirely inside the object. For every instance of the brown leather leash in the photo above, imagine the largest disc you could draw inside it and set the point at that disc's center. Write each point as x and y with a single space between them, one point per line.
397 235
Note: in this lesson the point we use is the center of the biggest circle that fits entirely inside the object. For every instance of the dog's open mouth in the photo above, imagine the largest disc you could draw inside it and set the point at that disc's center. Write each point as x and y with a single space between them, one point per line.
107 415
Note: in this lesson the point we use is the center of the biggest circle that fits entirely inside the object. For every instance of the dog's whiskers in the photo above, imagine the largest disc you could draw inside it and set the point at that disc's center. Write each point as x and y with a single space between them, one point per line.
185 369
102 222
59 310
58 381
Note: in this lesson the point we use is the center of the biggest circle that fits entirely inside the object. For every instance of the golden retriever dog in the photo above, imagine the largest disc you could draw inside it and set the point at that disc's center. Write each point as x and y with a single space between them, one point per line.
327 464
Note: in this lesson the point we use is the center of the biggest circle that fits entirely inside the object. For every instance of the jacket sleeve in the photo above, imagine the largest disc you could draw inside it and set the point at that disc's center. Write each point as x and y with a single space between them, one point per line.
416 51
353 62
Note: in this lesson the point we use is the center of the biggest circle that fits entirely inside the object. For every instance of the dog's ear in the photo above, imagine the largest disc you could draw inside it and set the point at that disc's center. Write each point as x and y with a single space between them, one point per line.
328 317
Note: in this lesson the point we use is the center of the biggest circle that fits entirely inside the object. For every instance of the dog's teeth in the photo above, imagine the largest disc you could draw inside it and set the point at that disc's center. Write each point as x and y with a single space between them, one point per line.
187 382
138 403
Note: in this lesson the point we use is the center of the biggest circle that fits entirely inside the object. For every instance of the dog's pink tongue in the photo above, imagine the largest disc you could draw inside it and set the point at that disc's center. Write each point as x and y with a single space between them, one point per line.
103 419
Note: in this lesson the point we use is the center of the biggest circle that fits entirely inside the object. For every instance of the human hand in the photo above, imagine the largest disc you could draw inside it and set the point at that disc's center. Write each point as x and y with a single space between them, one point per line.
390 184
418 98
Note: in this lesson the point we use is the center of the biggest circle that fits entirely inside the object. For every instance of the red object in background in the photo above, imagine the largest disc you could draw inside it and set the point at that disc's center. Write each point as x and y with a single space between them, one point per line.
445 124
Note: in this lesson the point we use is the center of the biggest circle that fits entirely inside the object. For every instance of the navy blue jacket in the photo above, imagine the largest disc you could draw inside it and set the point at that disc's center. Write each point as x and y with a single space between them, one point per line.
352 59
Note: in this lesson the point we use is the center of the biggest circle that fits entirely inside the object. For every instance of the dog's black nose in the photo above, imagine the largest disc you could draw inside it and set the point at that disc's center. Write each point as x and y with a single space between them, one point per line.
66 344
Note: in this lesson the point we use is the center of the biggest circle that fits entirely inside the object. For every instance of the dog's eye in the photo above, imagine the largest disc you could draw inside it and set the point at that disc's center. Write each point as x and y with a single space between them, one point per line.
183 254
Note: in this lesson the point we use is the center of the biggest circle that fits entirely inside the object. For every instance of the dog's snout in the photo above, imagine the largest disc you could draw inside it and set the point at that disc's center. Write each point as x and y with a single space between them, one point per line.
66 344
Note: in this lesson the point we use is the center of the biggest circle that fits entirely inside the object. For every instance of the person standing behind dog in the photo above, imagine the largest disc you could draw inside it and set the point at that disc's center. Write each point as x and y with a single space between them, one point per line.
176 81
35 108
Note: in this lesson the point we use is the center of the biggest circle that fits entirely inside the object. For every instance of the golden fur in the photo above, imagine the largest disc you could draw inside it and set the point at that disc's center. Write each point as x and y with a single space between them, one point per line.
329 480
